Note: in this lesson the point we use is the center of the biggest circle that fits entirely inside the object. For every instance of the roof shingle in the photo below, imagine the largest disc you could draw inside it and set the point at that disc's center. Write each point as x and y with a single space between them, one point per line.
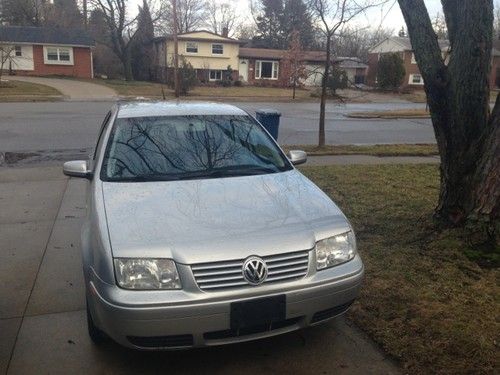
45 35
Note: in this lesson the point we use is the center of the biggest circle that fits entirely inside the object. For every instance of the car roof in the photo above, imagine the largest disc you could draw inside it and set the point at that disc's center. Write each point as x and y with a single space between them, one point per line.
176 108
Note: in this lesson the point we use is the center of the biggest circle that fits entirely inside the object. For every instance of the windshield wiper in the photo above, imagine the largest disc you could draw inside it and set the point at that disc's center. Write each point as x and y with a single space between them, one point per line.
228 172
145 178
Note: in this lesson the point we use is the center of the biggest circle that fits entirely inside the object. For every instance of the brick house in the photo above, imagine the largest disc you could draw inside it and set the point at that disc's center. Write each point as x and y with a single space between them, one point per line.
42 51
413 78
211 54
258 65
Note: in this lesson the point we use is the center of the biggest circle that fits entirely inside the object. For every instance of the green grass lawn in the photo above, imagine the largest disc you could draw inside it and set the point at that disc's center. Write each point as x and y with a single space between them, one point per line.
25 91
375 150
423 300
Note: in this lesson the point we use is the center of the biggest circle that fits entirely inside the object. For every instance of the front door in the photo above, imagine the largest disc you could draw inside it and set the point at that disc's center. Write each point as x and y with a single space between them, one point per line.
243 70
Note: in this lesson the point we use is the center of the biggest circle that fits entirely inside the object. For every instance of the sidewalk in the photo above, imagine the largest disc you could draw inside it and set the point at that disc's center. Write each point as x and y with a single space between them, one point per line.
369 159
42 302
57 157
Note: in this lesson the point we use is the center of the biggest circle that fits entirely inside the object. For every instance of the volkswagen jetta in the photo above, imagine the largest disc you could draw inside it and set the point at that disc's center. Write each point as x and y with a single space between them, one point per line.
200 231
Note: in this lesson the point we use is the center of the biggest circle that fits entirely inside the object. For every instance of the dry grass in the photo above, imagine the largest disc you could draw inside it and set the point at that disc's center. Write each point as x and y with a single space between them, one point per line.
375 150
154 90
397 113
423 300
137 88
24 91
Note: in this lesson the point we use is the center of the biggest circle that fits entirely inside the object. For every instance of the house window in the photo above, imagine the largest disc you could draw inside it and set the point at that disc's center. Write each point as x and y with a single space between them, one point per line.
19 51
266 69
416 79
215 75
191 47
217 49
58 55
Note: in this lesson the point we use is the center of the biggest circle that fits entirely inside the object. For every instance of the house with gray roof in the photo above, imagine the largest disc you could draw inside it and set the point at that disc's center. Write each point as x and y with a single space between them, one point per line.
413 78
43 51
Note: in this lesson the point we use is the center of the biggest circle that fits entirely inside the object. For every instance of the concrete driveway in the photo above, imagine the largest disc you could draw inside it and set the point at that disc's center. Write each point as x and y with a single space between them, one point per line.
72 89
42 316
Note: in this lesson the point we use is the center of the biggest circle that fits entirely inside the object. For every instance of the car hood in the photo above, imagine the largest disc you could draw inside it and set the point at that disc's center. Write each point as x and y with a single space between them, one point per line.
208 220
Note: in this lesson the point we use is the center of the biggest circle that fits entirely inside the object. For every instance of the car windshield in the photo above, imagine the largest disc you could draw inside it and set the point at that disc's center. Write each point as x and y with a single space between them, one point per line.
189 147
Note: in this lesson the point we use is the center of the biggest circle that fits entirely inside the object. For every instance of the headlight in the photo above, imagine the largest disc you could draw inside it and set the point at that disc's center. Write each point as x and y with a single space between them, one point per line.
335 250
137 273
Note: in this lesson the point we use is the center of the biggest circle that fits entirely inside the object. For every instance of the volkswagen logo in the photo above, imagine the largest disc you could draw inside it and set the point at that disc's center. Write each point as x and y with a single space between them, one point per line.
254 270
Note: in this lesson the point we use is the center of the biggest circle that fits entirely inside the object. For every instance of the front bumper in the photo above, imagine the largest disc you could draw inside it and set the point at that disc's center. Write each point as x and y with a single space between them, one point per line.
144 320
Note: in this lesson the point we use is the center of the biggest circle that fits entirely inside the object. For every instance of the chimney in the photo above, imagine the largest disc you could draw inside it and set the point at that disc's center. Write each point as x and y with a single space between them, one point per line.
225 32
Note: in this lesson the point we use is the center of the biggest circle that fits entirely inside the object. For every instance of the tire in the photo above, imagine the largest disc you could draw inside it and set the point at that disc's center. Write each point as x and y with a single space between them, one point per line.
96 335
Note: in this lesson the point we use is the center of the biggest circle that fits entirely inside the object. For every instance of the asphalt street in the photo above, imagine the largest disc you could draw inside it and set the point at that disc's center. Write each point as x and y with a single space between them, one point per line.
74 125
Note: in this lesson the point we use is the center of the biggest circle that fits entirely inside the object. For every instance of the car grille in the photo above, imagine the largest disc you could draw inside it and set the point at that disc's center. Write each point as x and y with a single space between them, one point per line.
228 274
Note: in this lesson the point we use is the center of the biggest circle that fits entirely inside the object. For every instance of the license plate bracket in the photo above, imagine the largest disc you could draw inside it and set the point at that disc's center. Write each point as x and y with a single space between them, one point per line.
258 311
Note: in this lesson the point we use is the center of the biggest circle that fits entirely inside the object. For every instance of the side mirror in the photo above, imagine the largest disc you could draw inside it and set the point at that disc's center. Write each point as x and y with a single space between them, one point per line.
297 157
77 168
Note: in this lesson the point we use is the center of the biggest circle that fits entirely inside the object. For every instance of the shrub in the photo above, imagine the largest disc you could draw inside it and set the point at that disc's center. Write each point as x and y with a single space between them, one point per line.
227 77
187 77
337 80
390 72
238 83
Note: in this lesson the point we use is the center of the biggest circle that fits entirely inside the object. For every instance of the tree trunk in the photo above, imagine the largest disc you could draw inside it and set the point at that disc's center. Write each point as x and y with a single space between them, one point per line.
458 95
324 81
127 68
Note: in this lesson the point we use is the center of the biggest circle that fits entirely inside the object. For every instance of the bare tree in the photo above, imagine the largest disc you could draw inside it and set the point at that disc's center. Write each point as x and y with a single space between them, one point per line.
355 41
458 95
191 14
221 16
439 26
23 12
293 70
333 16
121 29
246 30
7 56
496 23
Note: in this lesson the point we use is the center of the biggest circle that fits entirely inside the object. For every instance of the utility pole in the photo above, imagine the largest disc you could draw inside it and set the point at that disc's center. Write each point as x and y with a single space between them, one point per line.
176 50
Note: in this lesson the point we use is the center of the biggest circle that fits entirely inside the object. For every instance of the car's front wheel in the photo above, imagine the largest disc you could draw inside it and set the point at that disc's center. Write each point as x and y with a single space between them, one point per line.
96 335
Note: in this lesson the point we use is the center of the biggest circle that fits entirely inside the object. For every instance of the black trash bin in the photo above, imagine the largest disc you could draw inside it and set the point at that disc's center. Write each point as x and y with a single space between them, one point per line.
270 119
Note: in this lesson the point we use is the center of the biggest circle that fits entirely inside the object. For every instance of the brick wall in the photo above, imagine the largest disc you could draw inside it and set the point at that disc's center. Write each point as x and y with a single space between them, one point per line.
495 73
82 67
263 82
413 69
371 76
409 68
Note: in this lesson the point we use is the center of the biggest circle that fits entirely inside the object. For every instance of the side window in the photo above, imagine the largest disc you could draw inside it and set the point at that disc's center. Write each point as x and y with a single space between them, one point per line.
101 135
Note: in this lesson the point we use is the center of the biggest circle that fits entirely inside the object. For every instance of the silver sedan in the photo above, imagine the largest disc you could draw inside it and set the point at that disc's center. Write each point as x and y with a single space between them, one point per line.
200 231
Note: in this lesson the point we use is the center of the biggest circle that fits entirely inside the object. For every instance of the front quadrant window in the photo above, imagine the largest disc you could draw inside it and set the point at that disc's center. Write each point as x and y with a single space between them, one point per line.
266 69
58 55
217 49
191 47
18 50
215 75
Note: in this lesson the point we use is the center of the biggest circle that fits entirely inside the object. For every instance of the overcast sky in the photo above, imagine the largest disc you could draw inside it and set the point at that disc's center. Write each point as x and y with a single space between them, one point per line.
388 15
